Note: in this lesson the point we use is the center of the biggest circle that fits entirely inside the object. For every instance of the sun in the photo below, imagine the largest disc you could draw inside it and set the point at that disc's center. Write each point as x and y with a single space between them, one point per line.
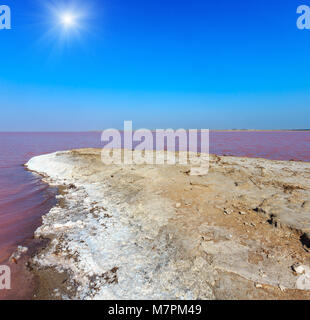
68 19
67 23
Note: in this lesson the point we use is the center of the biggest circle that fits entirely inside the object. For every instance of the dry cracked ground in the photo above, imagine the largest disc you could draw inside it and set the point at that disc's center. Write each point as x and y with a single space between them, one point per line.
241 231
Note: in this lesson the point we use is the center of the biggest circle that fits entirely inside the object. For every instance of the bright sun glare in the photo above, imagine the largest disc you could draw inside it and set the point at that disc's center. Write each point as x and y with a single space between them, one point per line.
66 23
68 19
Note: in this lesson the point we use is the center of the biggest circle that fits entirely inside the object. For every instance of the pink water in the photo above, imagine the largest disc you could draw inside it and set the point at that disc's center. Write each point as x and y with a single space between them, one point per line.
24 198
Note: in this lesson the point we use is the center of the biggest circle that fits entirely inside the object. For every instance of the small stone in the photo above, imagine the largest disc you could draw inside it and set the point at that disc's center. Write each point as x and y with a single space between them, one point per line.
294 266
14 260
242 213
282 288
302 269
22 249
258 285
178 205
303 282
18 253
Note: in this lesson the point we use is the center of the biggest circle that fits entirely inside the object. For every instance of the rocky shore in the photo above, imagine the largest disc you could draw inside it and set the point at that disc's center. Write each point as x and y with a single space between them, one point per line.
158 232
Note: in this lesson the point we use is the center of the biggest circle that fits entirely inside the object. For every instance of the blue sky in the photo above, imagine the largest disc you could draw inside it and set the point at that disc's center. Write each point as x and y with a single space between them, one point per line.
161 63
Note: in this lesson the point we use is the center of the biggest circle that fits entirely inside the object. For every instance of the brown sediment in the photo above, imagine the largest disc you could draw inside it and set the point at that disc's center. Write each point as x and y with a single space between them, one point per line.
23 281
49 283
52 284
234 233
28 282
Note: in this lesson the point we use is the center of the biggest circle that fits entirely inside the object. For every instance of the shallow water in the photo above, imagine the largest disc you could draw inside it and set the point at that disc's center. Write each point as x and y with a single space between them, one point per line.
24 198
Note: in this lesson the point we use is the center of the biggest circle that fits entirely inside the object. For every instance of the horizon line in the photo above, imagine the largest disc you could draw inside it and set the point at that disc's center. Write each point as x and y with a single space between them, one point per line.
211 130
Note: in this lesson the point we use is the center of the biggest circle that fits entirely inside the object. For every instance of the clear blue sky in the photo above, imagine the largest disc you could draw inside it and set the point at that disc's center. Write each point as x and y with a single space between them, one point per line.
161 63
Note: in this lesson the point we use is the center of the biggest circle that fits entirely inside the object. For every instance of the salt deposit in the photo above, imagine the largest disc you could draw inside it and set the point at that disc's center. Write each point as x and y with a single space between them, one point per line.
127 232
